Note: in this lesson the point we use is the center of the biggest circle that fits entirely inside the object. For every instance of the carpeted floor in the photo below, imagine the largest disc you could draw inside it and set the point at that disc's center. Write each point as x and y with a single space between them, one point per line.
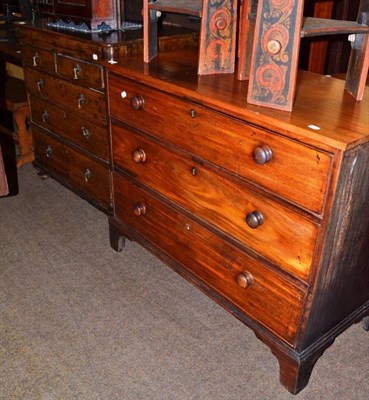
79 321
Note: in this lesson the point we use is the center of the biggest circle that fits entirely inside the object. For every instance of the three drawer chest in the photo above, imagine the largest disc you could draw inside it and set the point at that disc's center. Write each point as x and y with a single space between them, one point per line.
265 211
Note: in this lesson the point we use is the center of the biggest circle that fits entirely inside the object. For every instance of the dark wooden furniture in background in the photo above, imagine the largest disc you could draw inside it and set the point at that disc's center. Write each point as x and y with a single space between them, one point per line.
4 189
13 99
329 55
131 10
263 210
218 31
318 48
93 12
9 53
8 153
13 96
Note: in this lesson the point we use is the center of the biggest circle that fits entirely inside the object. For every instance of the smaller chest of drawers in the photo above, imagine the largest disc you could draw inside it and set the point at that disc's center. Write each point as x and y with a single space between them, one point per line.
66 90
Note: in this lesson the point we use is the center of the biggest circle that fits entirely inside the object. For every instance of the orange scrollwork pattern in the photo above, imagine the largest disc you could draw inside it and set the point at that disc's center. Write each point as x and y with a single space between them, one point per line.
220 36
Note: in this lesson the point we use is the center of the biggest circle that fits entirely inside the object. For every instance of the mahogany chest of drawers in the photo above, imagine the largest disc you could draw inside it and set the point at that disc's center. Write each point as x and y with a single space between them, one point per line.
263 210
66 91
66 88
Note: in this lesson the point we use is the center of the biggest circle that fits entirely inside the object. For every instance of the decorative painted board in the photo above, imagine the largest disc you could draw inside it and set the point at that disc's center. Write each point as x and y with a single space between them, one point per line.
275 53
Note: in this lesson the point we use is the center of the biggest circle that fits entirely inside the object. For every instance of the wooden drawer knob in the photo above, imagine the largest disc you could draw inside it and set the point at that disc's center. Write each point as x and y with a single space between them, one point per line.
262 154
139 209
138 102
254 219
245 280
139 156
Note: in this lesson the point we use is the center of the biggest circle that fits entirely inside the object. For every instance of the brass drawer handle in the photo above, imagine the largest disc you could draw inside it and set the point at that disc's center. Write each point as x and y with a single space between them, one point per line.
137 102
45 117
49 151
76 71
86 133
40 84
193 113
139 209
139 156
254 219
81 101
245 280
35 60
262 154
87 175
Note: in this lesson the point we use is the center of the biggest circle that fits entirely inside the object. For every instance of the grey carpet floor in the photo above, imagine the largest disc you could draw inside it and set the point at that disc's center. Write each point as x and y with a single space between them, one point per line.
80 321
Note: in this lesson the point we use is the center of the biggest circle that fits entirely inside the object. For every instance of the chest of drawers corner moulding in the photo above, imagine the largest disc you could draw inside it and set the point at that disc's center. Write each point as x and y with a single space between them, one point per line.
179 144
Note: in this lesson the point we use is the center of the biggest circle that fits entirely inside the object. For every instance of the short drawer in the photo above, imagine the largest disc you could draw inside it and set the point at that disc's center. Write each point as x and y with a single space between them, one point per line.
81 101
82 132
283 236
89 177
80 72
38 58
269 299
296 172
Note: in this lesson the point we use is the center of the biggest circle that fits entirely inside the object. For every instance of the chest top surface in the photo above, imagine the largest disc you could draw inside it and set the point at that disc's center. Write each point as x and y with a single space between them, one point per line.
324 114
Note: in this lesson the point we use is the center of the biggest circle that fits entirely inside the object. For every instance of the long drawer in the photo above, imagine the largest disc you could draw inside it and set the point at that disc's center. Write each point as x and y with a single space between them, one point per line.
259 292
81 101
91 136
296 172
88 176
263 225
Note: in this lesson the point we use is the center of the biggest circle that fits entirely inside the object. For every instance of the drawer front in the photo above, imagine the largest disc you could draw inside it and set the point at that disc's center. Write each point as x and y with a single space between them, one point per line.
81 101
88 176
82 73
269 300
284 236
295 172
85 50
84 133
38 58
